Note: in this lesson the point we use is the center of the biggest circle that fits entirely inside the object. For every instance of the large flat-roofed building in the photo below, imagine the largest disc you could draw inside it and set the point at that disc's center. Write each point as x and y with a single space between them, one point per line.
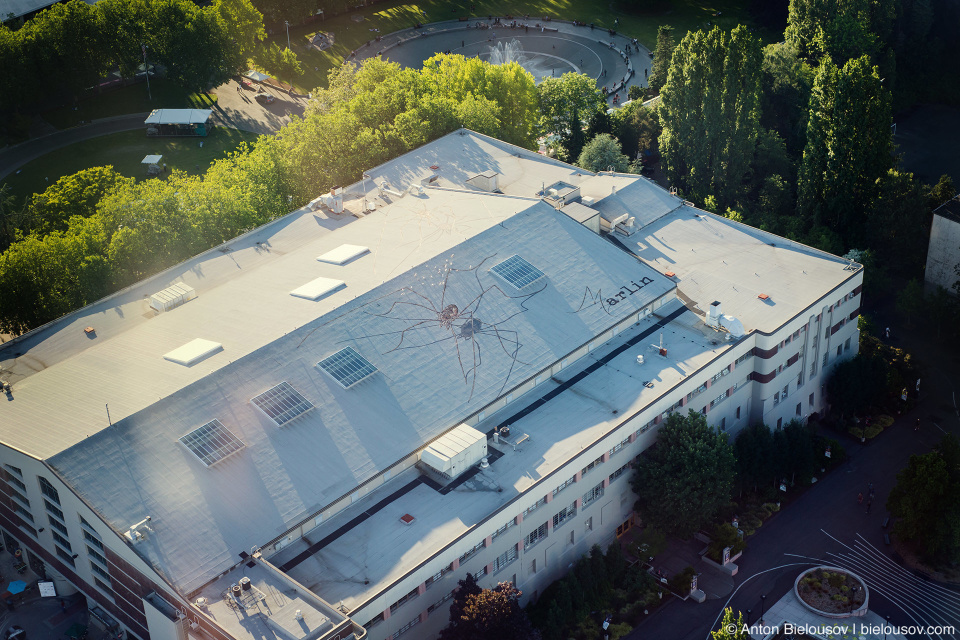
314 430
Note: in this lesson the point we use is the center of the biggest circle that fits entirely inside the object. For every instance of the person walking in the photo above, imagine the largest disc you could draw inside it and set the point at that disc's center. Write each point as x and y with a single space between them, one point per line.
917 426
860 498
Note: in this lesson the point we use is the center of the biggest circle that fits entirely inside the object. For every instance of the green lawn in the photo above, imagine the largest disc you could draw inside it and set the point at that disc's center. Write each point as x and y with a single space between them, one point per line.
130 99
125 151
638 19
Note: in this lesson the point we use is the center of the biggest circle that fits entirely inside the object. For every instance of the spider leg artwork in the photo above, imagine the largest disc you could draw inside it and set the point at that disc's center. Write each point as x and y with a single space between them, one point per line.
464 327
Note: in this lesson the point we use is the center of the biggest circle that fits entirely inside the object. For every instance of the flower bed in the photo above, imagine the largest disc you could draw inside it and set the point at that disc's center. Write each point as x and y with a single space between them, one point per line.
832 592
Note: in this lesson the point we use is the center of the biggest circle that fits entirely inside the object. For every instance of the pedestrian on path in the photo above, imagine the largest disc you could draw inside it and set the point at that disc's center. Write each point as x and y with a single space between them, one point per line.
888 333
917 427
860 498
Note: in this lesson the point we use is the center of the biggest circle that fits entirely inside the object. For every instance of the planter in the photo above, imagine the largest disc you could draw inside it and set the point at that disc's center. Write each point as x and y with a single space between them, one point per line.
821 590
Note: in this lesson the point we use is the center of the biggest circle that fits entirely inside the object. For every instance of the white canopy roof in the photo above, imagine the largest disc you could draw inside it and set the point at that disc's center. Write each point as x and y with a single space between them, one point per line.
150 159
256 76
178 116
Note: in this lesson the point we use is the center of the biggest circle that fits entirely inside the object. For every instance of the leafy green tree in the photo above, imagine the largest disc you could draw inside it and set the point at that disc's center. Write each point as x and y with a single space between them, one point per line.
478 614
74 195
637 128
910 300
848 147
191 43
661 59
9 216
731 627
242 25
857 385
840 30
799 455
603 153
754 452
635 92
565 104
710 113
787 82
128 25
685 479
926 502
899 223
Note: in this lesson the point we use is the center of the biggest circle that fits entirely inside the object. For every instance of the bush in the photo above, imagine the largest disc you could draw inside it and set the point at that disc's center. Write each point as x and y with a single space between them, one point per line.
723 536
680 582
772 507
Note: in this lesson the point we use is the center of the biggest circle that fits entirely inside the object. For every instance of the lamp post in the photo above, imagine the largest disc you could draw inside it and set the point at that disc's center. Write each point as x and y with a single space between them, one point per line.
146 70
762 599
286 22
748 617
885 628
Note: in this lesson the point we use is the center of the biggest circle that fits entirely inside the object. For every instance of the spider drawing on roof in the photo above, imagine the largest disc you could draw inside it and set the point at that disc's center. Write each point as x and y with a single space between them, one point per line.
469 325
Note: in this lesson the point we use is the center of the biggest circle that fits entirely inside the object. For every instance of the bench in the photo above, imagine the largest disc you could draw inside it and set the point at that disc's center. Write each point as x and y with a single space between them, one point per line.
886 539
885 523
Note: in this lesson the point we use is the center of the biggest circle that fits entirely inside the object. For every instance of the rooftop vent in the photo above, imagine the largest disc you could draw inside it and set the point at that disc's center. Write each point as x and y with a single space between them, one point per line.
193 352
517 272
282 403
669 274
456 452
407 519
347 367
485 181
172 297
763 296
714 313
343 254
212 443
316 289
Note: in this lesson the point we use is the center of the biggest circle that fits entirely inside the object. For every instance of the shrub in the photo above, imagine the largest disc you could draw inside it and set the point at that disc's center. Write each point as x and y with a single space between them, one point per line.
680 582
772 507
836 580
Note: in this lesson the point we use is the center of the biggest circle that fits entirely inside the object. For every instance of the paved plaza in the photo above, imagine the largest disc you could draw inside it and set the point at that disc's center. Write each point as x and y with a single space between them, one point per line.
545 49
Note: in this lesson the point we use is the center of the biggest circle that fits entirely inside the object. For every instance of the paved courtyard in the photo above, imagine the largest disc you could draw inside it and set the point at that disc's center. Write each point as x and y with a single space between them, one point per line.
547 49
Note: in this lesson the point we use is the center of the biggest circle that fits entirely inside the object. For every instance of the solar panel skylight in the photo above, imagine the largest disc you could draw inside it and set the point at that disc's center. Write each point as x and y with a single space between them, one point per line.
517 271
282 403
212 442
347 367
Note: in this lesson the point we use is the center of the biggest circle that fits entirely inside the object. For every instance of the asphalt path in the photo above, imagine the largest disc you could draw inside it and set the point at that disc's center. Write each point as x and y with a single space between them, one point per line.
826 526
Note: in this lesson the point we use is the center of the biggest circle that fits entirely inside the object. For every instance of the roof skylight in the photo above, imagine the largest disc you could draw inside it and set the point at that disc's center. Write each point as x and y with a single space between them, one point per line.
212 443
347 367
517 271
282 403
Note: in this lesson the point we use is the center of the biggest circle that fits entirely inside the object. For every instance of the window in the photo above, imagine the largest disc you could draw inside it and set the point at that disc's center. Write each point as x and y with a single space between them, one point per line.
19 496
564 514
407 627
402 601
826 357
738 413
811 399
62 541
48 489
377 620
718 399
481 573
471 552
593 494
437 576
722 373
503 529
776 398
563 486
12 479
96 556
839 350
846 345
619 446
783 394
723 424
623 528
52 509
211 443
100 583
14 470
779 423
588 524
619 472
533 566
813 368
787 341
799 404
99 570
56 524
742 358
590 466
539 503
535 536
800 379
26 515
572 537
698 391
504 559
92 540
796 334
436 605
65 556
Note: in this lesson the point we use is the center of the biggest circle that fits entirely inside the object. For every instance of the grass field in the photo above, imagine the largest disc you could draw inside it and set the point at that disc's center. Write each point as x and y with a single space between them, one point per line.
637 19
130 99
125 151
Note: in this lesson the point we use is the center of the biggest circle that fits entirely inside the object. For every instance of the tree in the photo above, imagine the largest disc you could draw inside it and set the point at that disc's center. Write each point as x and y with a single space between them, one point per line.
754 453
565 104
9 218
637 128
661 59
684 480
857 385
74 195
603 153
787 82
910 300
926 502
731 627
839 30
710 113
848 147
478 614
242 25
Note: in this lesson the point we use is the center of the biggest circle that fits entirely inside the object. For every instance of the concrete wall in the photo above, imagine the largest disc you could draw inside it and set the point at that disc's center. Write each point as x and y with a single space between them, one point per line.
943 253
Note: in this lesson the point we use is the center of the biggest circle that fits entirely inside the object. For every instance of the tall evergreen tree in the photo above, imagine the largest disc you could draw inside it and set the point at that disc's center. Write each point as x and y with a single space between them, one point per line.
848 147
711 113
661 58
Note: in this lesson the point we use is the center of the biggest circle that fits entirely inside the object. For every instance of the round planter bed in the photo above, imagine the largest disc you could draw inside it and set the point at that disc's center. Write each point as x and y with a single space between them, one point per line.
832 592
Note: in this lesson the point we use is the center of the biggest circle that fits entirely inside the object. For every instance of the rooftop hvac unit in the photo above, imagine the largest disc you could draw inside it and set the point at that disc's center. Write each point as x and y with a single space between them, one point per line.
455 452
713 314
172 297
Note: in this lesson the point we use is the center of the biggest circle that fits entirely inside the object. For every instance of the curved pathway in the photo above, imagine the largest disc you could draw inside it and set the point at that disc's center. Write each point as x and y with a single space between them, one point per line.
233 109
